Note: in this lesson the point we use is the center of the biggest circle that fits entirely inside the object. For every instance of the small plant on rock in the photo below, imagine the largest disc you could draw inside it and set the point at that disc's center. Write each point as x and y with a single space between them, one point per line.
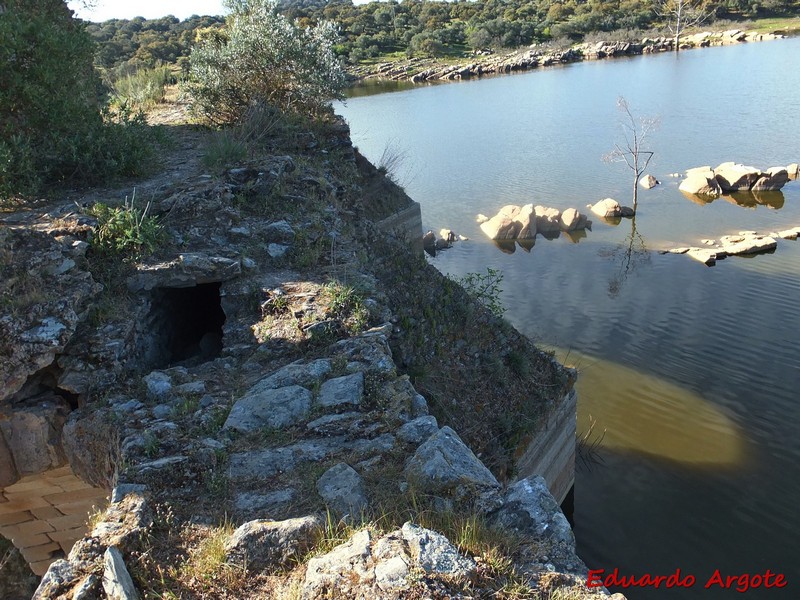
126 229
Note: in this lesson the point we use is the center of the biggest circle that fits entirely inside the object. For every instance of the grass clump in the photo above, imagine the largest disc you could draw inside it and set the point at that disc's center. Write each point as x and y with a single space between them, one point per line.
346 304
126 230
142 89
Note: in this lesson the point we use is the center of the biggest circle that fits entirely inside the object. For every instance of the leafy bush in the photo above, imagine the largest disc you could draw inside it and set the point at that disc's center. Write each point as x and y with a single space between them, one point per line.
52 125
485 289
263 58
126 229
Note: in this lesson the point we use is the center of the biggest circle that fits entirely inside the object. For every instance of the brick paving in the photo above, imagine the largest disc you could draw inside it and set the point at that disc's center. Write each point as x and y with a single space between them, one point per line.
45 514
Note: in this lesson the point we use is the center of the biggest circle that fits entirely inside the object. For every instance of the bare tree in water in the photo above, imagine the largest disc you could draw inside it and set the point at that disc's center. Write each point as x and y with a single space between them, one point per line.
633 152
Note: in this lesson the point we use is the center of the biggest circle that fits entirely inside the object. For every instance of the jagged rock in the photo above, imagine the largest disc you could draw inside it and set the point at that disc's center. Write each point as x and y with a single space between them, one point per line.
342 390
43 310
571 220
124 521
418 430
265 545
774 179
793 170
336 423
700 181
276 408
345 565
648 182
159 385
429 241
189 269
733 177
526 216
447 235
383 569
117 582
368 353
88 441
305 374
501 227
343 490
530 510
59 576
277 250
31 438
607 208
279 232
434 553
275 500
547 219
444 466
263 464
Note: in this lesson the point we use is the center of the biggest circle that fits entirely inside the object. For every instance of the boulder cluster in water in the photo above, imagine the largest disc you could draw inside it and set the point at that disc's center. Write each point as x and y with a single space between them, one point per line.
735 177
515 222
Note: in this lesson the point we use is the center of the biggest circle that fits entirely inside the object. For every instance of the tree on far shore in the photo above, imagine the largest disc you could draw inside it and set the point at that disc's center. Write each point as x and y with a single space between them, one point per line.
680 16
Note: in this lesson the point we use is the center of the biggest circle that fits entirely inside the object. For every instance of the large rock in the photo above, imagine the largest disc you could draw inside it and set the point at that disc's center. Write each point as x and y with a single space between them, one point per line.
445 466
501 227
434 553
343 490
117 582
700 181
511 222
409 562
548 219
305 374
31 436
733 177
188 270
648 182
531 511
774 179
346 390
45 302
527 219
571 220
86 439
265 545
276 408
607 208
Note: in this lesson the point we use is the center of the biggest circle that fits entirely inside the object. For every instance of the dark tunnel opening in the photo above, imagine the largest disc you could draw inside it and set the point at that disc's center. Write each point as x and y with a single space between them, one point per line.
186 324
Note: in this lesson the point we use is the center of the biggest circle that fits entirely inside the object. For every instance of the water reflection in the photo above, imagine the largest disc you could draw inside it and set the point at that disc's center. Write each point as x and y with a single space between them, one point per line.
630 253
649 415
773 200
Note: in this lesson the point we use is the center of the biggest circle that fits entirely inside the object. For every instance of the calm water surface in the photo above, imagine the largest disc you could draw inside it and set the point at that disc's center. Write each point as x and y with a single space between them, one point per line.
693 372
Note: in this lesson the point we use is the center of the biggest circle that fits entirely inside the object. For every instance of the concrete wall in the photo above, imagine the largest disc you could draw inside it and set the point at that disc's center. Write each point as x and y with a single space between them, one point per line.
406 224
551 453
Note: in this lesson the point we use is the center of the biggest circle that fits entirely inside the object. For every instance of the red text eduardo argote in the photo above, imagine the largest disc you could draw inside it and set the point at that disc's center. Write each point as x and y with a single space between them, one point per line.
739 582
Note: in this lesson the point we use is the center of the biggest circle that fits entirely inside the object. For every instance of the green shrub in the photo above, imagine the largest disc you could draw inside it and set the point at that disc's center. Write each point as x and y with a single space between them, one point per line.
485 289
52 125
142 89
126 230
263 58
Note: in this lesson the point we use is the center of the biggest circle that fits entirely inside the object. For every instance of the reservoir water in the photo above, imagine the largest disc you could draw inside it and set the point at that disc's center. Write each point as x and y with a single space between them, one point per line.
693 372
